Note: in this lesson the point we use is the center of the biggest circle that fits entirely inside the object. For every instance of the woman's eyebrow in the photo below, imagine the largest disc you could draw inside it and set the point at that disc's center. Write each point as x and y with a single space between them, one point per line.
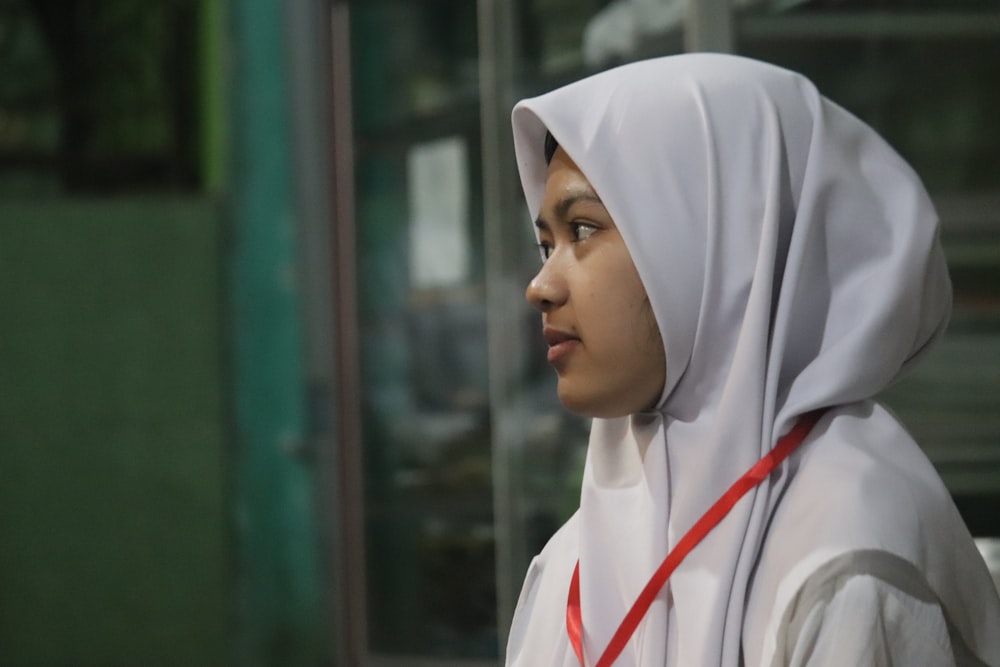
563 206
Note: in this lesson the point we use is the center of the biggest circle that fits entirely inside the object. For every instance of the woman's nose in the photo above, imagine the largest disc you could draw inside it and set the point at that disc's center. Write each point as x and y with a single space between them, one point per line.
548 288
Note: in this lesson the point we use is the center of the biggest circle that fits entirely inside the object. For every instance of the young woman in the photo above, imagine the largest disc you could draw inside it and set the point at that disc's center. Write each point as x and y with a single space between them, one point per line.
733 268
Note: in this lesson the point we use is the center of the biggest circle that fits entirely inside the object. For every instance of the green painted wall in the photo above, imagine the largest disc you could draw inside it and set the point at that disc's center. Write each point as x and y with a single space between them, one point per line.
113 484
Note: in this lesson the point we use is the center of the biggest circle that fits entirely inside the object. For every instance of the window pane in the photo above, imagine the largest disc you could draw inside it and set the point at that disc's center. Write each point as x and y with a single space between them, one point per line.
98 98
426 428
924 80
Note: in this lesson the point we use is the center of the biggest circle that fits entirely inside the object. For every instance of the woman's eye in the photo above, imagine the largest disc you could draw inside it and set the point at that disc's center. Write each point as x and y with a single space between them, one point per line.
582 231
579 231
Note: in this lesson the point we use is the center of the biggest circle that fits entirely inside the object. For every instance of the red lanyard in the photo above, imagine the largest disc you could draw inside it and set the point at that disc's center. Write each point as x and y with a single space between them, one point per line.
751 478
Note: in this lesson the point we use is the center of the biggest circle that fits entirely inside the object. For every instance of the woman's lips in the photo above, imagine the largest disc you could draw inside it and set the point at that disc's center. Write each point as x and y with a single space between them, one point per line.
560 343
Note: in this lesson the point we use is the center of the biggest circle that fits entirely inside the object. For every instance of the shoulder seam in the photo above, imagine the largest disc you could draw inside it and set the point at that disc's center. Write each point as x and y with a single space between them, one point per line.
899 573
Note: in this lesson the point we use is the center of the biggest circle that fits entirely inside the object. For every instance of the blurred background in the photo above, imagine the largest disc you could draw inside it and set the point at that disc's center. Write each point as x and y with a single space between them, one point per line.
269 391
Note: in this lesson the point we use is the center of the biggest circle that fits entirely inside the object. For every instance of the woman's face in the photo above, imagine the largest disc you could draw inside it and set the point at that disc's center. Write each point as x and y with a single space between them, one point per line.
603 339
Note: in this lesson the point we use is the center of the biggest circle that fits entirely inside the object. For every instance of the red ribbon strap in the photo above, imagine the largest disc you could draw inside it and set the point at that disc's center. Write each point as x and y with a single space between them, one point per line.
750 479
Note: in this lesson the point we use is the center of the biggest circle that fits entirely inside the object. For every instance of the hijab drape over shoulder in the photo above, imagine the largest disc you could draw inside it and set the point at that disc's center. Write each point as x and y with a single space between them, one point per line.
792 262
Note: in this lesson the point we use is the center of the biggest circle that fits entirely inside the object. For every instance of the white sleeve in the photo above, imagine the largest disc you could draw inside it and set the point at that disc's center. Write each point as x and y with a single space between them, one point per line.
869 609
868 622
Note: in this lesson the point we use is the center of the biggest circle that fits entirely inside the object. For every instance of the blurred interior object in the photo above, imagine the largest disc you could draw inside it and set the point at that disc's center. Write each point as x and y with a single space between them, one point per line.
617 32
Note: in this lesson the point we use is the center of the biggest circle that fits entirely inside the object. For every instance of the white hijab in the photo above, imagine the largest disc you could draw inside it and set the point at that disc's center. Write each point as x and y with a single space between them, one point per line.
792 262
